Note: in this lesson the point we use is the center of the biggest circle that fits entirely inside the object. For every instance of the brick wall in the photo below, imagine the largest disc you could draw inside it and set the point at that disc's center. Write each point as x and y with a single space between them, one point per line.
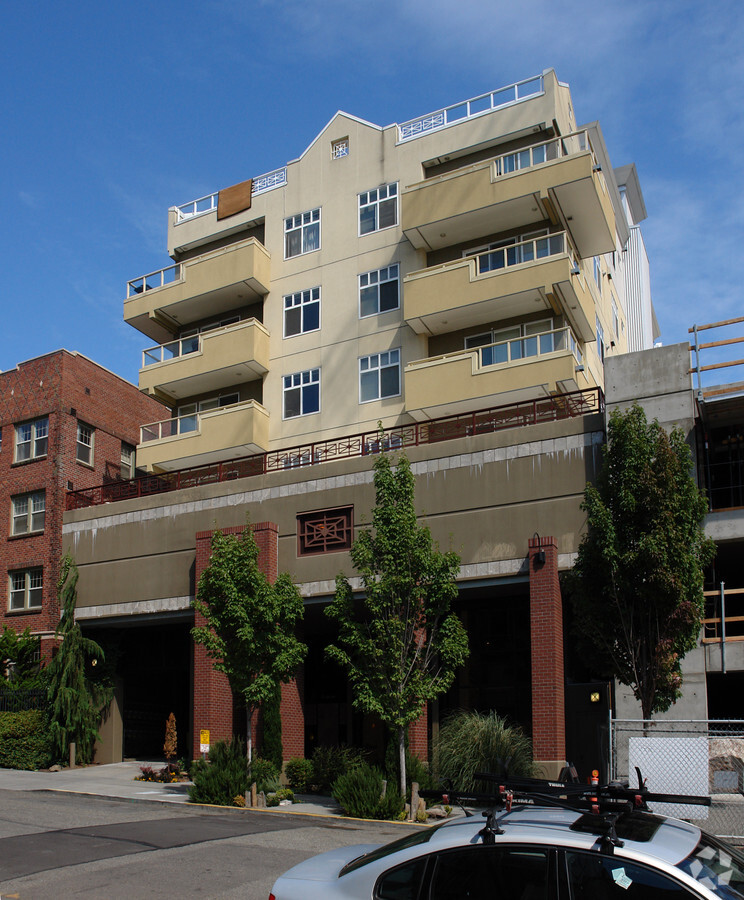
546 633
54 386
212 701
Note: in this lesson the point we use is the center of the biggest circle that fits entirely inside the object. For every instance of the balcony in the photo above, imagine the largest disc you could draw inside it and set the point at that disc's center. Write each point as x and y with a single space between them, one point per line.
206 362
505 372
204 437
510 282
163 302
558 180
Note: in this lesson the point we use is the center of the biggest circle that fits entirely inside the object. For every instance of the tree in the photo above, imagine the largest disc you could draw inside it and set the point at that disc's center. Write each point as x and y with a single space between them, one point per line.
170 744
19 659
250 624
637 585
399 641
78 699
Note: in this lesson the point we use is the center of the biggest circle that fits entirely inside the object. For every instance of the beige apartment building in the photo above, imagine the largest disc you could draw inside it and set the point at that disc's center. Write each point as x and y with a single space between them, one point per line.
456 281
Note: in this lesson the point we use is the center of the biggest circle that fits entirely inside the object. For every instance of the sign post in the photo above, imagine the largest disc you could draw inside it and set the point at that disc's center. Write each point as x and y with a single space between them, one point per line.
204 742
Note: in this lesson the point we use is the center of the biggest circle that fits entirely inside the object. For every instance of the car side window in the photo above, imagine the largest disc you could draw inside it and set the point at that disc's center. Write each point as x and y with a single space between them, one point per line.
402 883
496 873
596 877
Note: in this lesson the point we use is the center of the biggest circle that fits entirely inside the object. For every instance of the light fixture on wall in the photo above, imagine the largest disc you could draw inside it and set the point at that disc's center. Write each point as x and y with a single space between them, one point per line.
540 555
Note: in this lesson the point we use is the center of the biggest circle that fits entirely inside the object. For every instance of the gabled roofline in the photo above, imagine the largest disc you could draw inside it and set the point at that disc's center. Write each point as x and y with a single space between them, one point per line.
338 113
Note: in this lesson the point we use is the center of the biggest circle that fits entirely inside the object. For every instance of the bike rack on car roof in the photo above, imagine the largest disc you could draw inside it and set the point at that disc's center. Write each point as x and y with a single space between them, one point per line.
602 805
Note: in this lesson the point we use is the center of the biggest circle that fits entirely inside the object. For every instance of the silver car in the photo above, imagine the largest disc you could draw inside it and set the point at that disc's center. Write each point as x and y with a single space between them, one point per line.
529 853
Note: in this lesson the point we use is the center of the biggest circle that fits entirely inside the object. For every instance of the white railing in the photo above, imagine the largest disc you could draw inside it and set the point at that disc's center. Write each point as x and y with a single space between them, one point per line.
153 280
468 109
540 344
172 350
203 205
186 424
525 252
546 151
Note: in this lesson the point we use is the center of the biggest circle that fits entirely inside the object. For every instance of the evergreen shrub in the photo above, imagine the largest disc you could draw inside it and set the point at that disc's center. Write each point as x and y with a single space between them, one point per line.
331 762
299 772
24 740
265 774
359 793
223 777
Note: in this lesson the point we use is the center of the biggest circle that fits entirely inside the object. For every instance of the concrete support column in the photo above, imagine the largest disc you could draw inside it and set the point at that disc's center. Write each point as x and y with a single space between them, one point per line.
546 633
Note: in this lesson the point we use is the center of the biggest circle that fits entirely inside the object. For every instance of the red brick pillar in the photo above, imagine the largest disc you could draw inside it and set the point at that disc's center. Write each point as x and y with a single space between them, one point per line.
546 632
418 735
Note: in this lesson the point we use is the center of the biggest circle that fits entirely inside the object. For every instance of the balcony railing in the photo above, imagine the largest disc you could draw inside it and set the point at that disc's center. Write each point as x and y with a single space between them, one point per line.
484 421
547 151
540 344
175 349
203 205
153 280
469 109
525 252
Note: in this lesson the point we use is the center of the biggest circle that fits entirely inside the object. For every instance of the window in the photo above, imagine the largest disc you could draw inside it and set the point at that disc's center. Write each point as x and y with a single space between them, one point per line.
476 871
31 439
379 376
378 291
28 512
302 233
324 531
301 393
592 875
127 462
600 340
84 452
378 209
615 319
597 270
301 312
25 589
339 148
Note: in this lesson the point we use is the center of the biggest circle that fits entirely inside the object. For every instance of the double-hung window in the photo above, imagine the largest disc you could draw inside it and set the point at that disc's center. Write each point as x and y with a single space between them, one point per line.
84 450
302 233
31 439
126 470
301 393
25 589
301 312
379 291
379 376
378 209
28 512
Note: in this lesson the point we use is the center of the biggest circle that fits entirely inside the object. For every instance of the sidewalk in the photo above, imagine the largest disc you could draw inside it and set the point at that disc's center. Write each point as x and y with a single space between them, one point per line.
118 781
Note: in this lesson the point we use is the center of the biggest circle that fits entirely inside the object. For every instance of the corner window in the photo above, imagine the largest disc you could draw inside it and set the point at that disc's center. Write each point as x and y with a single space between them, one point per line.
379 376
31 439
301 312
339 148
324 531
126 470
378 291
302 233
301 393
378 209
28 513
25 589
84 450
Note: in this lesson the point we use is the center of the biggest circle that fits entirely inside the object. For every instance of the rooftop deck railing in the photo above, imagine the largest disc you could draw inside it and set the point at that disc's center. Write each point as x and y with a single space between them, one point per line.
464 425
469 109
203 205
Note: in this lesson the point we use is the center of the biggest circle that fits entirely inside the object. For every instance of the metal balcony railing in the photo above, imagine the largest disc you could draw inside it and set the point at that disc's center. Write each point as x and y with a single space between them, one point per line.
203 205
528 251
464 425
469 109
153 280
528 346
190 344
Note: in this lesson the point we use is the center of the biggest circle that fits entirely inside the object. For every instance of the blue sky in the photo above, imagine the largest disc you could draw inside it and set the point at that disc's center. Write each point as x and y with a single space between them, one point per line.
113 112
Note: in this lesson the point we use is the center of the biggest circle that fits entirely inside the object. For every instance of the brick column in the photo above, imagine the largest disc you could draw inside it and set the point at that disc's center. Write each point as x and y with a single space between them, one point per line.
213 703
546 633
418 735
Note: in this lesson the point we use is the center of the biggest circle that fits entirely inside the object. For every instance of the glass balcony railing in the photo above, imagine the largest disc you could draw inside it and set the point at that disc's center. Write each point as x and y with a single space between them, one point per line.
524 252
190 344
532 345
557 148
153 280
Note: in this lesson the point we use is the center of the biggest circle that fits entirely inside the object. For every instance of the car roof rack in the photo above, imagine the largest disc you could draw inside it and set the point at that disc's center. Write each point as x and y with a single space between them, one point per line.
607 802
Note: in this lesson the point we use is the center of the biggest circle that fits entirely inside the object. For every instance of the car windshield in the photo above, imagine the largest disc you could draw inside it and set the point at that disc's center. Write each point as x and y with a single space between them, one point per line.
717 866
410 840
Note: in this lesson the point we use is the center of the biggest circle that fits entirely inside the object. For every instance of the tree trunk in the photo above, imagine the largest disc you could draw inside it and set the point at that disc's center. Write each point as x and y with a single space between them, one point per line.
402 759
249 733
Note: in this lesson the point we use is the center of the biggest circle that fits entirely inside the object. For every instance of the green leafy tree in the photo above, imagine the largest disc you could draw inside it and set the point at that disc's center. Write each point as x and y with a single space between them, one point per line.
250 623
77 698
399 641
637 585
19 659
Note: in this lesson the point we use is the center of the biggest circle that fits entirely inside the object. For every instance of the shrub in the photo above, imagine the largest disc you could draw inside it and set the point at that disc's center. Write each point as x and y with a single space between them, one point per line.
223 777
299 774
359 793
265 774
276 798
331 762
24 740
471 742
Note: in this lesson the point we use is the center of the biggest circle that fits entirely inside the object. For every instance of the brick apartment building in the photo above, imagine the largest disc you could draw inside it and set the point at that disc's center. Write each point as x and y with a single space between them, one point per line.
459 278
66 423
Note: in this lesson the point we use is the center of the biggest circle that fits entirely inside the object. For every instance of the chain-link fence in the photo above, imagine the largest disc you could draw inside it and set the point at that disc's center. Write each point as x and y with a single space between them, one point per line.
701 757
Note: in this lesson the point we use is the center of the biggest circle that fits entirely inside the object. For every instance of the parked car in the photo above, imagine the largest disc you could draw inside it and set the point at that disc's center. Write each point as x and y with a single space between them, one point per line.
530 853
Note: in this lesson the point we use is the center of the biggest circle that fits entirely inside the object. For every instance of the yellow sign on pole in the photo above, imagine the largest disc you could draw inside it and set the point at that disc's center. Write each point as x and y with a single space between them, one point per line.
204 740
